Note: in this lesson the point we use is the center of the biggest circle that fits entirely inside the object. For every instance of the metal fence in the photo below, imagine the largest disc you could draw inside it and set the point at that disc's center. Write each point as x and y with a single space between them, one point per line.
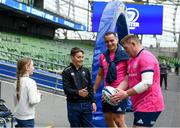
48 81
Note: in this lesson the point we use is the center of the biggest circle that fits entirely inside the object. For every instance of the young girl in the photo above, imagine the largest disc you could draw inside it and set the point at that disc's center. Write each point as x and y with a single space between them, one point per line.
27 94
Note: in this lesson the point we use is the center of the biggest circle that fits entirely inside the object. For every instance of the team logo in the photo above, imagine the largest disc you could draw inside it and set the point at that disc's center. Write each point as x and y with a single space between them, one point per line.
83 72
135 65
133 15
153 122
72 73
119 109
140 121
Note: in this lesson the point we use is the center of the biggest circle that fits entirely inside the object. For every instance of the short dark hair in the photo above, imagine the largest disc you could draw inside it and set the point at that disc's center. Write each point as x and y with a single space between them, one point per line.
109 33
75 50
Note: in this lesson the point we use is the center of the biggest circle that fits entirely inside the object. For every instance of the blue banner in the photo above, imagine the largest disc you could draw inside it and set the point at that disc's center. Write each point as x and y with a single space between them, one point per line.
30 10
143 19
113 19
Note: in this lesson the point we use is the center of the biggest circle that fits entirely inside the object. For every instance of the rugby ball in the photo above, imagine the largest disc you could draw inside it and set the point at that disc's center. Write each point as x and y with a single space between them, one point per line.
107 92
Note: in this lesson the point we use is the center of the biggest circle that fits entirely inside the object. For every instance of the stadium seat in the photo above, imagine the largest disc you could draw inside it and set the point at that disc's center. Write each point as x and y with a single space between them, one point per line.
44 50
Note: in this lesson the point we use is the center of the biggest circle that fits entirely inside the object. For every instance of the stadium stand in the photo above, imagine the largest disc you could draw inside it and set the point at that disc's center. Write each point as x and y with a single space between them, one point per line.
47 53
171 61
27 30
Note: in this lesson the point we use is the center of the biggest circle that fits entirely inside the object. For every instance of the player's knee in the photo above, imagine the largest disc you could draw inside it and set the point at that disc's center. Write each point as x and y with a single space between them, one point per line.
120 122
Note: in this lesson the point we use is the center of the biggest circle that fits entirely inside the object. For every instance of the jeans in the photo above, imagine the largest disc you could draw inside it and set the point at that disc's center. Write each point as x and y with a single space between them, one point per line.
25 123
80 114
164 77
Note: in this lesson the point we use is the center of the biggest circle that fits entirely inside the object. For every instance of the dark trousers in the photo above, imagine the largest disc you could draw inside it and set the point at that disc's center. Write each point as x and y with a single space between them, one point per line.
164 77
80 114
25 123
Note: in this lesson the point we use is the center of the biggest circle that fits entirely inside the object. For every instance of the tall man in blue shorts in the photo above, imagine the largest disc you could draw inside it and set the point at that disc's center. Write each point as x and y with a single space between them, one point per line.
113 69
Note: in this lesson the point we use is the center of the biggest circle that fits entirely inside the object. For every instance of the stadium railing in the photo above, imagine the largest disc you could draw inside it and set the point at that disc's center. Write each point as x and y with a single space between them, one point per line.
49 80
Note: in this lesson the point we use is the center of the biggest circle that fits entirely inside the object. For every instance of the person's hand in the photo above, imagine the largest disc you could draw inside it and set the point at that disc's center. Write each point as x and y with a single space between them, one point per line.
83 92
119 96
39 93
94 107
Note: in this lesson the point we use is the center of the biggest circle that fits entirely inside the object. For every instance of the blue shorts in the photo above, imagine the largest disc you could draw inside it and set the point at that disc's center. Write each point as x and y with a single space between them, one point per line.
145 119
120 108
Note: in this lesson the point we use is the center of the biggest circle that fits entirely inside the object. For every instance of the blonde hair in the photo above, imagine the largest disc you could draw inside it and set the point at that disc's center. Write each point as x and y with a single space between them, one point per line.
20 71
128 37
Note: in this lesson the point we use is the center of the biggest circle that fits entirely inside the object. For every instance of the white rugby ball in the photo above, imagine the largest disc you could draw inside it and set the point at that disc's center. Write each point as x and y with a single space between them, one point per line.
107 92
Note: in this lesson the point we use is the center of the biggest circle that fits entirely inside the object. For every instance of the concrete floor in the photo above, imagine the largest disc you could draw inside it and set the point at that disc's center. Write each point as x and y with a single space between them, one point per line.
52 109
